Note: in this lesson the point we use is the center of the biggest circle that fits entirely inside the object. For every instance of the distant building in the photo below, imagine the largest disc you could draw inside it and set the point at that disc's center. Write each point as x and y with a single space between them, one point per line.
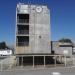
32 32
74 49
5 52
59 47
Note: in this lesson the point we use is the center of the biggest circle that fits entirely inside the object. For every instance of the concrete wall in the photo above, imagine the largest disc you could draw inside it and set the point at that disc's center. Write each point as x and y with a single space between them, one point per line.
39 28
59 49
40 31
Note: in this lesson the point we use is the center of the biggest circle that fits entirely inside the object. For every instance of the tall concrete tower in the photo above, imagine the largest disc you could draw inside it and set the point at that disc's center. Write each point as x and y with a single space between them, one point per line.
32 29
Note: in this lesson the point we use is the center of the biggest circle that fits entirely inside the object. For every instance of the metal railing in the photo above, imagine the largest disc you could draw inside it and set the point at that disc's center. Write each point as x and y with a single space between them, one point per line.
16 63
26 32
23 21
22 43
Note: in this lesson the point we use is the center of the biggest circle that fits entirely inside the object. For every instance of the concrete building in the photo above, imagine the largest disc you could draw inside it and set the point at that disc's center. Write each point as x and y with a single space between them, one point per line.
32 33
60 47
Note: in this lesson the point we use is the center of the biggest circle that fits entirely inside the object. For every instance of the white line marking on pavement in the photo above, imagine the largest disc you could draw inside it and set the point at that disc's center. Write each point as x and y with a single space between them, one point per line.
56 73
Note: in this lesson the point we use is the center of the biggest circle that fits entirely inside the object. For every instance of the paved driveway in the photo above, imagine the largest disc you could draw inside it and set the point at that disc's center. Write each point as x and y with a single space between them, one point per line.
47 71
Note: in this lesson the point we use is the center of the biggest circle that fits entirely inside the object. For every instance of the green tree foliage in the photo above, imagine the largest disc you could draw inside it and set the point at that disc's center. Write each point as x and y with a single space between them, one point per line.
65 40
3 45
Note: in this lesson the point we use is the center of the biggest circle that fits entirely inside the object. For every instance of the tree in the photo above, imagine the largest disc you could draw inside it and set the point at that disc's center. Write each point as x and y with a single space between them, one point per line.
3 45
65 40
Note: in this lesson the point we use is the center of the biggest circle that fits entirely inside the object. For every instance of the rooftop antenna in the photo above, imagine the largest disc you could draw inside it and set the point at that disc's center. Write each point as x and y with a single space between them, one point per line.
37 2
33 1
19 4
29 2
21 1
43 1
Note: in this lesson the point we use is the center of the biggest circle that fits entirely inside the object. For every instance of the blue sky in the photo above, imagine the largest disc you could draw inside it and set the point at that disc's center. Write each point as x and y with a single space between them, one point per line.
62 18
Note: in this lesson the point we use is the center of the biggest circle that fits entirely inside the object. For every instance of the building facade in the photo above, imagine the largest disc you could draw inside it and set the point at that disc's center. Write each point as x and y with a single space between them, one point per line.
32 30
60 47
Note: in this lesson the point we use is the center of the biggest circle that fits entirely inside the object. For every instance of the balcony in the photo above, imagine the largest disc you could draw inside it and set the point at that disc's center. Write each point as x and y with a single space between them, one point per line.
23 29
25 21
22 43
23 32
23 18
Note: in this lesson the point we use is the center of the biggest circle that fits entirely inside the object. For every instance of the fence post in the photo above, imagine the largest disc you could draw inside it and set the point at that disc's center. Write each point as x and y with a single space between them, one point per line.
55 60
73 60
33 61
17 61
65 60
44 61
1 67
22 62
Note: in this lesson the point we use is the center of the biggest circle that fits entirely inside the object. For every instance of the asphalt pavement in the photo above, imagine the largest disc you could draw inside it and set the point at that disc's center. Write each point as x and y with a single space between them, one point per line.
45 71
